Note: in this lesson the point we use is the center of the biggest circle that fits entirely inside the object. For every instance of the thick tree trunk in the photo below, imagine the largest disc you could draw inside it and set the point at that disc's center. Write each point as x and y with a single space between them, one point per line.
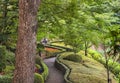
26 45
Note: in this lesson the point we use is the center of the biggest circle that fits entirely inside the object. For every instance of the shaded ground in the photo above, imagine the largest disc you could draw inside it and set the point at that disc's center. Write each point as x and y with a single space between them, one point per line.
55 76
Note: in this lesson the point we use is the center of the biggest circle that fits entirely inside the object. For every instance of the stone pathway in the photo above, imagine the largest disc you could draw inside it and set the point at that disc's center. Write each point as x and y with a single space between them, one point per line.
55 76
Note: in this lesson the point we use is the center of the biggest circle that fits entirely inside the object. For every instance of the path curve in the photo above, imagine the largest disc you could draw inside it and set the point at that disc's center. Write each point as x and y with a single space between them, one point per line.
55 76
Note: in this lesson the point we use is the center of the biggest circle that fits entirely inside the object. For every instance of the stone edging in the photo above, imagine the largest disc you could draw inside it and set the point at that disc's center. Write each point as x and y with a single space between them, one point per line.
64 68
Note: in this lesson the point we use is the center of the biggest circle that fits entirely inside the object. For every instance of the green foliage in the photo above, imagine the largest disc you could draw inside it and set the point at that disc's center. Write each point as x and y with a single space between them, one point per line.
40 46
9 70
37 66
6 57
5 79
73 57
95 55
8 21
2 57
46 71
87 71
42 65
113 66
10 60
38 60
38 78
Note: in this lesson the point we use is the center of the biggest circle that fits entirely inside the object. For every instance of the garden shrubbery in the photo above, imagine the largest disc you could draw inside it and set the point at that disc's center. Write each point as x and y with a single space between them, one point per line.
113 66
73 57
38 78
6 58
5 79
87 71
43 66
9 70
2 57
46 71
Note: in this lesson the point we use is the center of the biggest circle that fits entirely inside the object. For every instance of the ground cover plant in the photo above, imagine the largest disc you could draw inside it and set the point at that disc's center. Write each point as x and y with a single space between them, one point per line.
114 66
86 71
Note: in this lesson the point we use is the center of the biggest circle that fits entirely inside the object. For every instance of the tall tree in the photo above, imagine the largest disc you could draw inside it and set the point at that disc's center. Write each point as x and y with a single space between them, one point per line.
26 45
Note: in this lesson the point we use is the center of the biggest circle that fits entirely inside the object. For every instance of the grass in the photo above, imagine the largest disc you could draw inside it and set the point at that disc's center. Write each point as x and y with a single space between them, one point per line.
87 71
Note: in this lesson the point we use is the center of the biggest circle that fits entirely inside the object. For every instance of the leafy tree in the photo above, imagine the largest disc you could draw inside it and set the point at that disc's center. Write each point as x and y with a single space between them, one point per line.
8 22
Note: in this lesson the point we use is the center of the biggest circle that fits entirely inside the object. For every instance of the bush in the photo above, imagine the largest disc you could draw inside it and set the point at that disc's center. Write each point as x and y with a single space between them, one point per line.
74 58
9 70
116 70
114 66
5 79
43 66
10 60
2 57
95 54
38 78
6 58
37 66
38 60
46 71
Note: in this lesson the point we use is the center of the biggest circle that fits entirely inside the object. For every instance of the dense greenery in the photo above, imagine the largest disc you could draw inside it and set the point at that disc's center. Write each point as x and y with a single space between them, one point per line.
80 24
88 70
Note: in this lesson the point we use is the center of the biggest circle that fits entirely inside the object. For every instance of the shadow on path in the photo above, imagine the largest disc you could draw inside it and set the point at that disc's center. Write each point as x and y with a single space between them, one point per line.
55 76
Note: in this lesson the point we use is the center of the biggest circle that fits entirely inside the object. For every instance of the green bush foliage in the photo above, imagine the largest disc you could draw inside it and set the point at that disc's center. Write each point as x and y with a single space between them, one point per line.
95 54
2 57
9 70
38 60
37 66
113 66
88 71
42 65
10 60
6 58
38 78
5 79
46 71
74 58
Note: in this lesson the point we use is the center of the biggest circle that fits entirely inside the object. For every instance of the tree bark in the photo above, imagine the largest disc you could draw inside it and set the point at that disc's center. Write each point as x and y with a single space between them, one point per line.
26 45
86 48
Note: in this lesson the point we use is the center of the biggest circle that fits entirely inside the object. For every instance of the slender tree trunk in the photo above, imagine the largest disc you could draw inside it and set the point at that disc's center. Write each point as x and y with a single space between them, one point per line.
114 47
26 45
107 67
86 47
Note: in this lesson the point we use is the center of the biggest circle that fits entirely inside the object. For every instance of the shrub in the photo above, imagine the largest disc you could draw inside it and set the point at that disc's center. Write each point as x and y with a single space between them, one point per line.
74 58
38 60
95 54
114 66
37 66
38 78
46 71
9 70
116 70
43 66
6 58
2 57
10 58
5 79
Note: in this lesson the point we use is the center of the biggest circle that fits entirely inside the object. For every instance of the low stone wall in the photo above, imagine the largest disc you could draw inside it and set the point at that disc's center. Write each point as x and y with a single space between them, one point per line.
64 68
